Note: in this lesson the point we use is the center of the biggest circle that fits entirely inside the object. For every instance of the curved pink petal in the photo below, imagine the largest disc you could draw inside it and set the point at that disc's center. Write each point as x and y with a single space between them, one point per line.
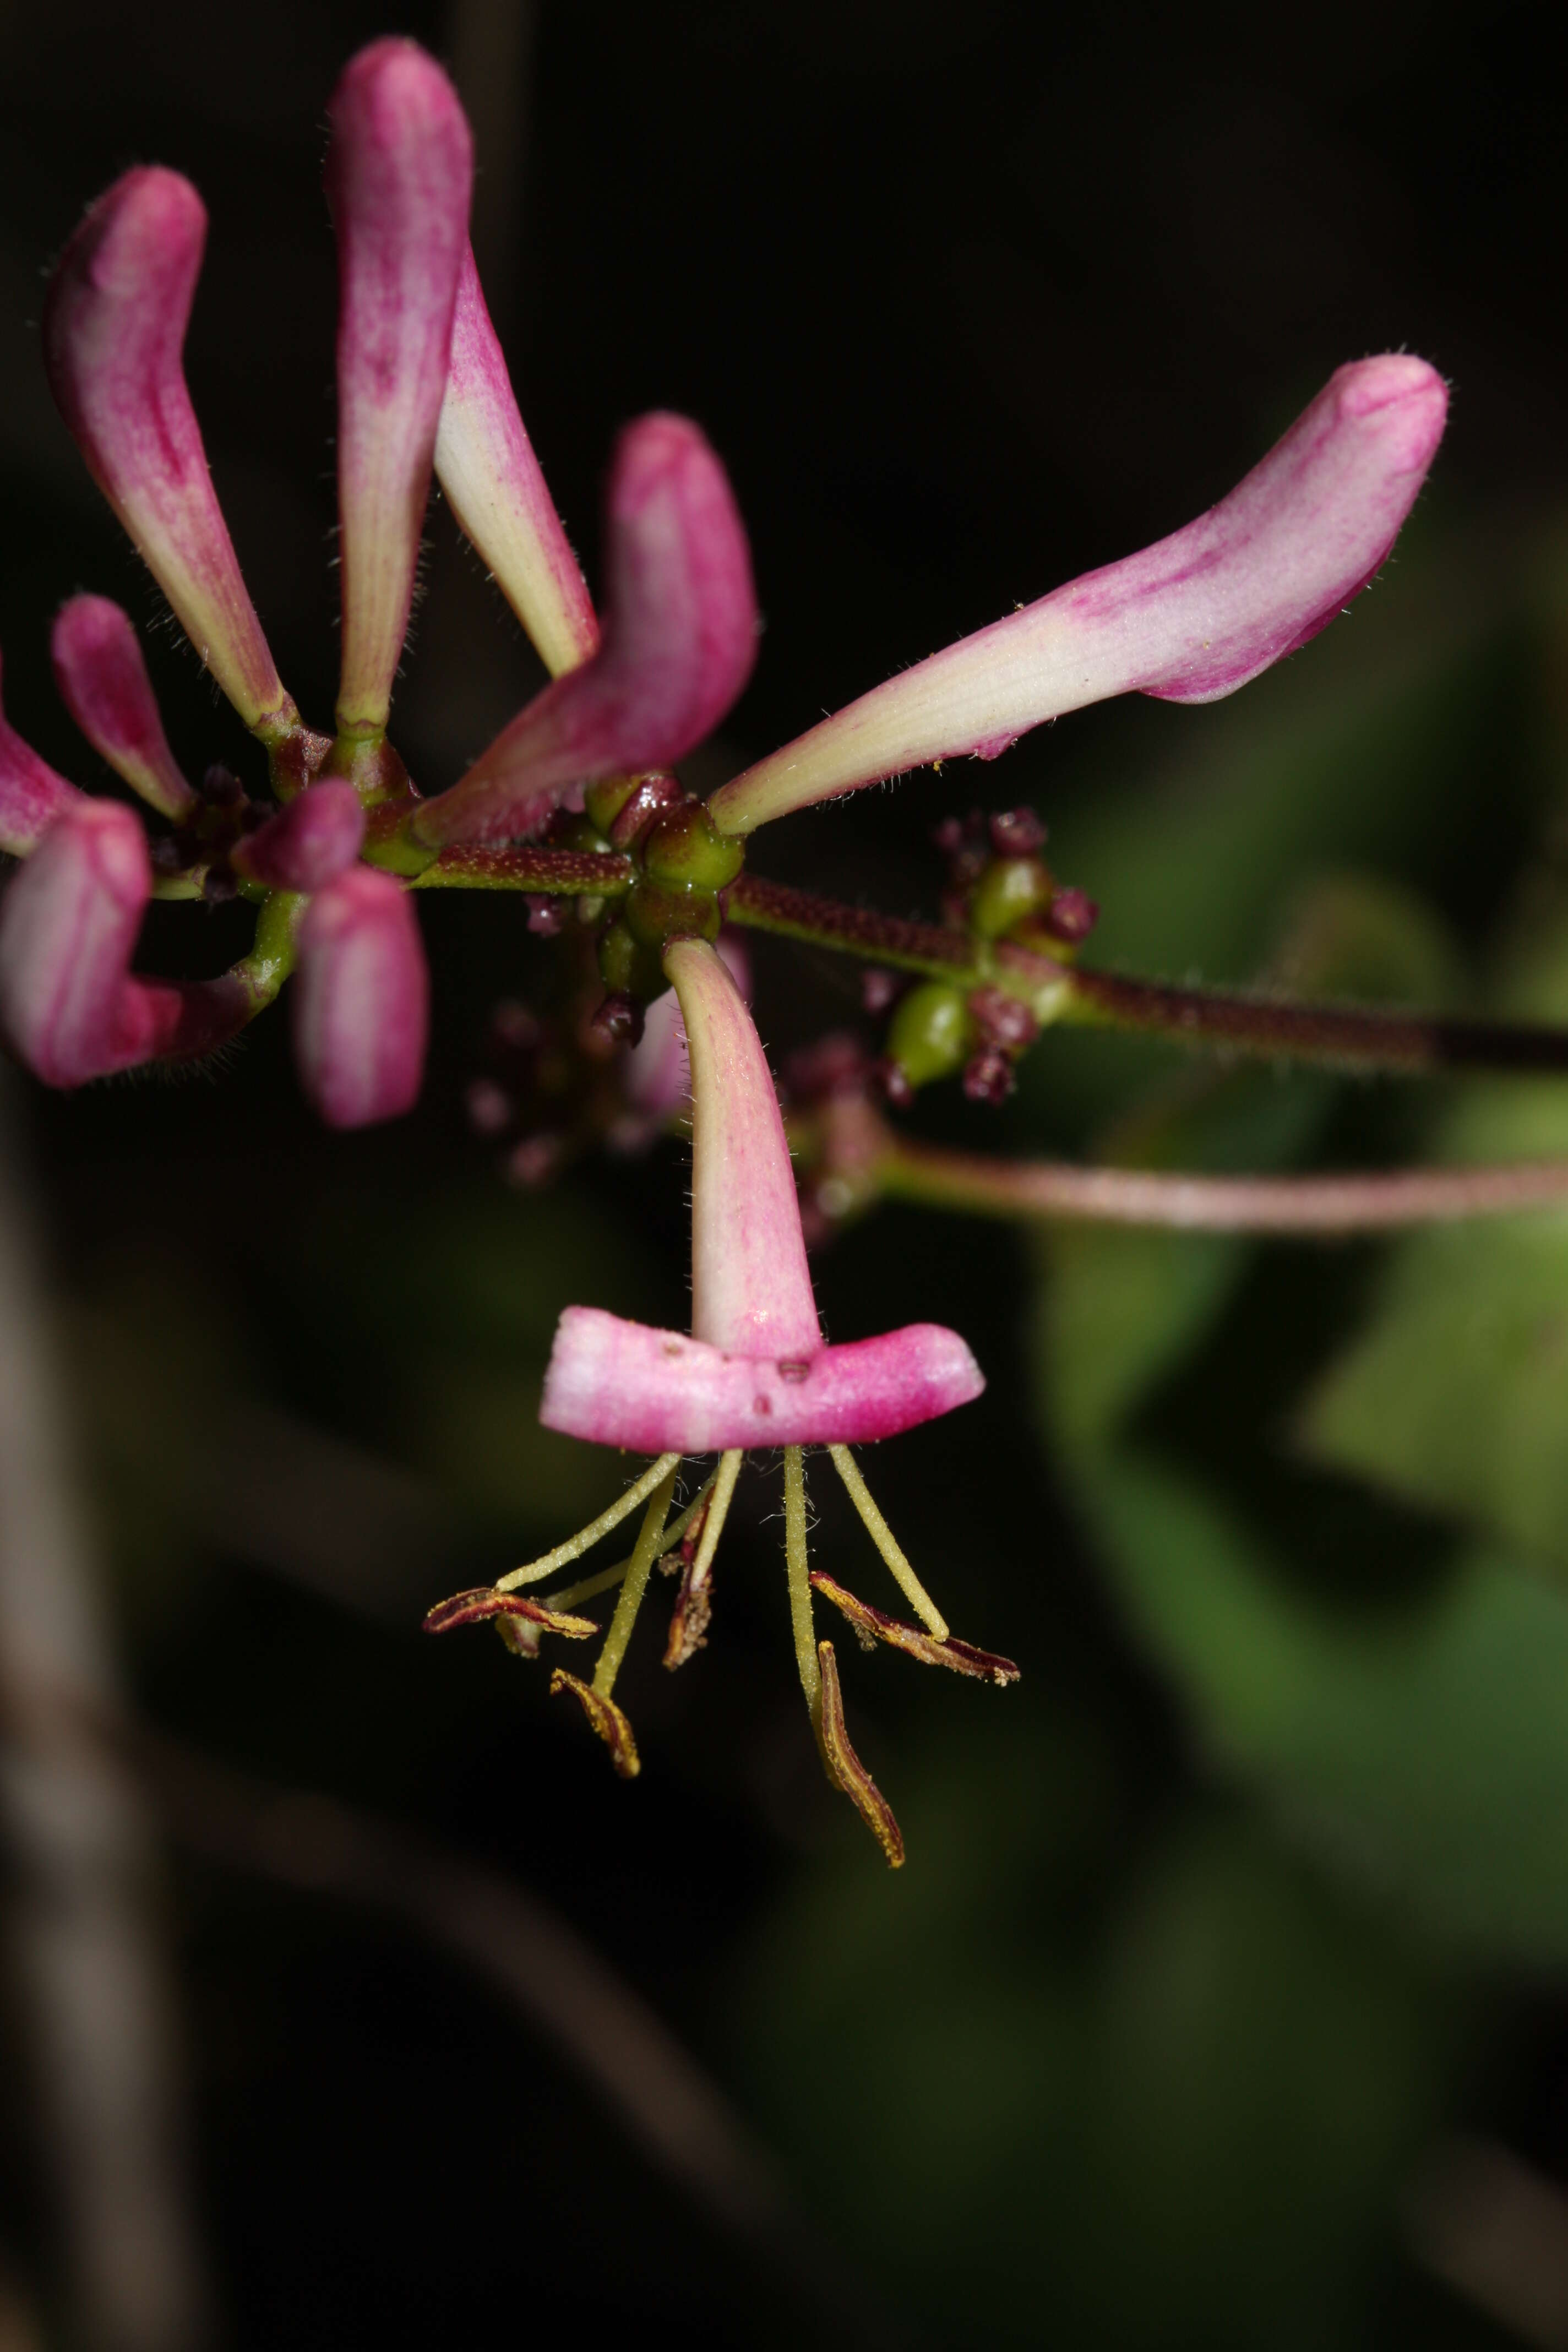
1188 620
486 465
362 1000
32 794
678 645
114 328
621 1384
399 177
104 685
309 843
67 930
750 1288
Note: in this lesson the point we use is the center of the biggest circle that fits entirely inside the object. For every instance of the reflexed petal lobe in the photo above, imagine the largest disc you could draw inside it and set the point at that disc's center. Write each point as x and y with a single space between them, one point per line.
114 331
1188 620
679 640
486 465
104 685
32 794
399 177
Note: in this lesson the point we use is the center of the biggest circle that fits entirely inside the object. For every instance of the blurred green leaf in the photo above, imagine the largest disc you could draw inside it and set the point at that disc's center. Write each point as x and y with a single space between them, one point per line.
1455 1395
1425 1749
1159 2125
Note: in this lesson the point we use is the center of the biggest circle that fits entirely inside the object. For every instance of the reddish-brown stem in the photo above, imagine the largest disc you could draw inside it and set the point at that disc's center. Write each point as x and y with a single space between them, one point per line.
858 931
1355 1036
1306 1205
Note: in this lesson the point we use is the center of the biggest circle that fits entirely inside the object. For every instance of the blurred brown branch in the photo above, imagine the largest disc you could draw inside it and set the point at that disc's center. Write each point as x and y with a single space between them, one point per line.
89 1973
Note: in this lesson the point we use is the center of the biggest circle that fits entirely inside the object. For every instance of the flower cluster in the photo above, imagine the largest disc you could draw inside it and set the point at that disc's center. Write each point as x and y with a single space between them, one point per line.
333 849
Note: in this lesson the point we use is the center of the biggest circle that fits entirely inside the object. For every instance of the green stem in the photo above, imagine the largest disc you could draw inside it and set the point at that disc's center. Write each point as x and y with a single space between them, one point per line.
636 1583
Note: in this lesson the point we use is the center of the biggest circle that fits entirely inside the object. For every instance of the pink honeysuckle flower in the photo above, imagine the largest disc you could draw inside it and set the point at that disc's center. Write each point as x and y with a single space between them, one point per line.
32 794
494 485
69 1003
680 639
754 1372
362 1000
104 685
309 843
1188 620
399 177
115 329
655 1073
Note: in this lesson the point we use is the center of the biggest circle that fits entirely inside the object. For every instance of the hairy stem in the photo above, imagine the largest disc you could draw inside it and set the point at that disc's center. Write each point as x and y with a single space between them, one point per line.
1306 1205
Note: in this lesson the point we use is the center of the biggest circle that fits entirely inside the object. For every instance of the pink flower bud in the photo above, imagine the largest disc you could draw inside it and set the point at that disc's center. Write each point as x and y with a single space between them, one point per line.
114 329
309 843
362 1000
494 487
104 685
679 640
1188 620
32 794
399 175
67 930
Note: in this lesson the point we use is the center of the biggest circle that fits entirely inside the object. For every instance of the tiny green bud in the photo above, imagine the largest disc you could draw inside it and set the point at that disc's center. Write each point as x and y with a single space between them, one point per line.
626 966
683 846
656 912
1009 891
932 1033
605 801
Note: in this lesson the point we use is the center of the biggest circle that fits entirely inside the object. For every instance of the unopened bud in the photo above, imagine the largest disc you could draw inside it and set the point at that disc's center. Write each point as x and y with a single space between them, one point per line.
310 843
989 1077
1016 833
362 1000
931 1033
1071 916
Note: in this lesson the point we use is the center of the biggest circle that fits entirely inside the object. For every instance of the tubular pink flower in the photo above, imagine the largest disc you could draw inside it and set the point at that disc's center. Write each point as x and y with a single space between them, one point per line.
486 465
309 843
104 685
362 1001
679 640
399 177
69 1003
32 794
655 1073
1188 620
114 328
755 1370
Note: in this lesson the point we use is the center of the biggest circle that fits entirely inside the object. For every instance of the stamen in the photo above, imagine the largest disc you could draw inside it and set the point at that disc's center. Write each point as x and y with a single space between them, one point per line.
636 1585
587 1537
606 1719
846 1768
882 1536
694 1603
571 1594
874 1625
799 1568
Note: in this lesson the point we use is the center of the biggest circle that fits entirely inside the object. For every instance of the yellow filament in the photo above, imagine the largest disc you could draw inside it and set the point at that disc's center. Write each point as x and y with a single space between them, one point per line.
799 1568
635 1585
608 1576
724 1479
882 1536
587 1537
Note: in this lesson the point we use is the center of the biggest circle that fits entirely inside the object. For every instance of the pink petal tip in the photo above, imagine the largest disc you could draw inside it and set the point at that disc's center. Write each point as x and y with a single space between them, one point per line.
362 1012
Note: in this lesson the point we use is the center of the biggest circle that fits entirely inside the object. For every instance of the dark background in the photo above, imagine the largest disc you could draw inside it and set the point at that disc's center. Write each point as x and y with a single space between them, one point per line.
969 298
